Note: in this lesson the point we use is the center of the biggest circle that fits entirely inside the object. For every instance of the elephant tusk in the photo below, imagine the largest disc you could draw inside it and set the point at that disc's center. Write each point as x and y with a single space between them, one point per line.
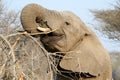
43 29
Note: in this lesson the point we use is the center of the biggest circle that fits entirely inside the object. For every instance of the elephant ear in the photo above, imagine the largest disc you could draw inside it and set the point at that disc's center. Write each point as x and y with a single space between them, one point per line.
75 63
86 58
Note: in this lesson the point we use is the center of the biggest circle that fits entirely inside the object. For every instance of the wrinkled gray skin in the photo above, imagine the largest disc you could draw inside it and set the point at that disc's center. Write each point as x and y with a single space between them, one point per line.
83 51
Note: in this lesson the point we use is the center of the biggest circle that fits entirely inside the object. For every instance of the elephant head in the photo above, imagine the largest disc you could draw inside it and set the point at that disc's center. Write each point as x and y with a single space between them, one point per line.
82 51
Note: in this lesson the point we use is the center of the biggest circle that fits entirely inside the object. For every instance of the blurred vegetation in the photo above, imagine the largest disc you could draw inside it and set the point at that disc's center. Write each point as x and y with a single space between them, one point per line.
9 19
109 20
115 59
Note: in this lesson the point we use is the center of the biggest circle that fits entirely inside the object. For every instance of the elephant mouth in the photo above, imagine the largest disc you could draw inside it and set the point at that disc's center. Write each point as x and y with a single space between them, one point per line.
50 39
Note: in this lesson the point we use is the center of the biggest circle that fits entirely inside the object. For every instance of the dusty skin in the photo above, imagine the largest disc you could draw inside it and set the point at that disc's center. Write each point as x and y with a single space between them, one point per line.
80 53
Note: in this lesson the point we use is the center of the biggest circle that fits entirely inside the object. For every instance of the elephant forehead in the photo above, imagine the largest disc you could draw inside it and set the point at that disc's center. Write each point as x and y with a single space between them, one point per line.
71 17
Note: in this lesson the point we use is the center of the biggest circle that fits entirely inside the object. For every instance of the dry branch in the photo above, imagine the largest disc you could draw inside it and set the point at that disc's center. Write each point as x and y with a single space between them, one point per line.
26 58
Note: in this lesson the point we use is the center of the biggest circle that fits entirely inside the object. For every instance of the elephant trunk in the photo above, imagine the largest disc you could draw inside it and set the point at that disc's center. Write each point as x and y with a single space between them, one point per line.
31 15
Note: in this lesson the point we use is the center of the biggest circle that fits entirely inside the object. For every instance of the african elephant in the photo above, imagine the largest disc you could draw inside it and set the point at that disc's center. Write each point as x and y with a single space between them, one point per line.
81 55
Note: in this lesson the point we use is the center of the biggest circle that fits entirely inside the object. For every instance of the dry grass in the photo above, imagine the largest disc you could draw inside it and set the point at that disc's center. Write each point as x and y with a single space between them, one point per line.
22 57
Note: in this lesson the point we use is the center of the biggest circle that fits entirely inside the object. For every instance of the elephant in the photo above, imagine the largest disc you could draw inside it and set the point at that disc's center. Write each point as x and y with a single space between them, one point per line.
80 54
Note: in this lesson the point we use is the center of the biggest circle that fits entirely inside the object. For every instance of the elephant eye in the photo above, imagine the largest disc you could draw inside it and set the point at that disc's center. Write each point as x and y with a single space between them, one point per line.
67 23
